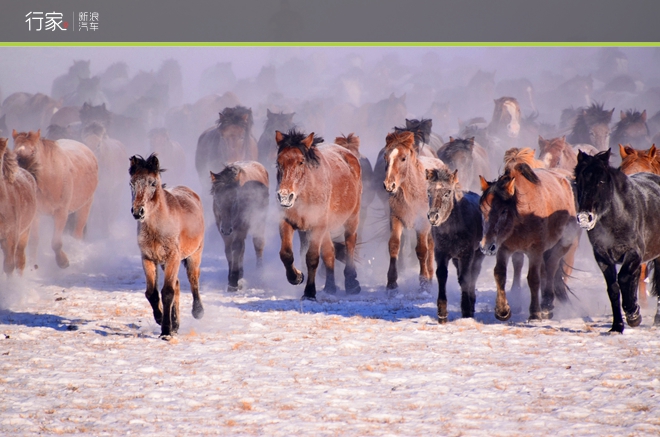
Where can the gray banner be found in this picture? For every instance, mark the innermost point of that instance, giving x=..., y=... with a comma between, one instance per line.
x=330, y=21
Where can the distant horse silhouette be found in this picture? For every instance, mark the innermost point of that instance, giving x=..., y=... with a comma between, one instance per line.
x=170, y=154
x=405, y=181
x=319, y=189
x=170, y=230
x=230, y=141
x=592, y=126
x=468, y=157
x=240, y=206
x=530, y=211
x=631, y=129
x=621, y=215
x=267, y=147
x=557, y=153
x=457, y=231
x=67, y=178
x=18, y=208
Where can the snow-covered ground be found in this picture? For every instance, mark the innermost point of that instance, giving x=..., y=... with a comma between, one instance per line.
x=80, y=354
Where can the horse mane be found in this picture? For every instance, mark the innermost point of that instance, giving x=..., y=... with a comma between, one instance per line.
x=439, y=175
x=446, y=152
x=420, y=128
x=150, y=164
x=594, y=114
x=238, y=115
x=350, y=142
x=294, y=139
x=9, y=163
x=527, y=172
x=632, y=116
x=228, y=176
x=403, y=137
x=515, y=156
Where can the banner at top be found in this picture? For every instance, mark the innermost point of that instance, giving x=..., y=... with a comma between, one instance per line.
x=330, y=21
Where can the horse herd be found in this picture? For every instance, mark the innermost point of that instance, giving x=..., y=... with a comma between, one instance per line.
x=535, y=207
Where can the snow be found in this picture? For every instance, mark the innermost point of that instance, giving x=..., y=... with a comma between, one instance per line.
x=80, y=354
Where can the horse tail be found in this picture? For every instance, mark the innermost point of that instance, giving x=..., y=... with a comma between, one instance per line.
x=561, y=288
x=350, y=142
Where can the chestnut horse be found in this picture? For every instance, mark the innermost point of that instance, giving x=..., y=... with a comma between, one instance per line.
x=170, y=230
x=230, y=141
x=319, y=188
x=405, y=181
x=18, y=208
x=67, y=178
x=240, y=206
x=557, y=153
x=637, y=161
x=529, y=211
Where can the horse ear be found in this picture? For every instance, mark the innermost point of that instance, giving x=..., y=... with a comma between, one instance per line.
x=451, y=139
x=309, y=140
x=652, y=151
x=510, y=187
x=246, y=117
x=152, y=161
x=38, y=134
x=454, y=177
x=541, y=140
x=605, y=156
x=622, y=151
x=408, y=124
x=581, y=156
x=563, y=138
x=429, y=174
x=484, y=183
x=214, y=177
x=14, y=134
x=471, y=141
x=644, y=116
x=278, y=137
x=622, y=115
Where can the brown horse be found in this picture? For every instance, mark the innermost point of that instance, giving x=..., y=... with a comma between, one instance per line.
x=515, y=156
x=67, y=179
x=637, y=161
x=18, y=207
x=592, y=126
x=468, y=157
x=532, y=212
x=230, y=141
x=405, y=181
x=319, y=188
x=170, y=230
x=557, y=153
x=240, y=206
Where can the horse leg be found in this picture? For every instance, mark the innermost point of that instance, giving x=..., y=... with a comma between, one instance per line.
x=466, y=282
x=396, y=228
x=59, y=217
x=552, y=269
x=328, y=255
x=628, y=279
x=475, y=270
x=502, y=309
x=430, y=244
x=517, y=259
x=20, y=250
x=304, y=243
x=422, y=251
x=534, y=282
x=258, y=241
x=232, y=283
x=151, y=274
x=33, y=243
x=81, y=219
x=643, y=274
x=293, y=275
x=655, y=290
x=441, y=273
x=312, y=261
x=192, y=264
x=237, y=252
x=613, y=291
x=170, y=297
x=351, y=283
x=9, y=250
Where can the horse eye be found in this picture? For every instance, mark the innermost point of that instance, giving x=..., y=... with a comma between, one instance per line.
x=301, y=163
x=403, y=159
x=153, y=184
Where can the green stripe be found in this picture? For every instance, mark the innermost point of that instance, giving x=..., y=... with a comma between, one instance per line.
x=329, y=44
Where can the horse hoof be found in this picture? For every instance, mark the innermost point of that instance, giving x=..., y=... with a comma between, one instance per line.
x=166, y=337
x=634, y=319
x=468, y=315
x=198, y=310
x=354, y=290
x=330, y=290
x=232, y=289
x=392, y=285
x=547, y=314
x=442, y=320
x=310, y=298
x=503, y=316
x=617, y=328
x=62, y=261
x=535, y=317
x=297, y=280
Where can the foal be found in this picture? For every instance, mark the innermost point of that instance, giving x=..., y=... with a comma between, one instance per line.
x=170, y=230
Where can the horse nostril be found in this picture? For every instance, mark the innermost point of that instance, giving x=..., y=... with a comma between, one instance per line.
x=141, y=211
x=590, y=217
x=290, y=199
x=132, y=210
x=492, y=248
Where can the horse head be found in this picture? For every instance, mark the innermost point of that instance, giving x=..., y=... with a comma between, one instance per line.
x=235, y=127
x=444, y=191
x=499, y=209
x=225, y=198
x=296, y=154
x=399, y=155
x=145, y=184
x=594, y=180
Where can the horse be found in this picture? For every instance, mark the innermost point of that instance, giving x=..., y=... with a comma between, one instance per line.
x=29, y=111
x=636, y=161
x=457, y=231
x=631, y=129
x=467, y=156
x=319, y=189
x=529, y=211
x=67, y=83
x=405, y=181
x=18, y=208
x=67, y=179
x=557, y=153
x=170, y=230
x=621, y=215
x=170, y=153
x=240, y=206
x=592, y=126
x=229, y=141
x=507, y=128
x=130, y=131
x=274, y=122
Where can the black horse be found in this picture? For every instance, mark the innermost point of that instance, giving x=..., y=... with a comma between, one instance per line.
x=457, y=231
x=621, y=215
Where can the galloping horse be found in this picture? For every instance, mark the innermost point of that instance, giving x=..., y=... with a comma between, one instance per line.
x=170, y=230
x=557, y=153
x=18, y=208
x=592, y=126
x=621, y=215
x=319, y=188
x=240, y=205
x=405, y=181
x=457, y=232
x=230, y=141
x=529, y=211
x=67, y=178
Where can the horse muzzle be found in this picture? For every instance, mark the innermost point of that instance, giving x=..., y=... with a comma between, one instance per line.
x=390, y=187
x=286, y=199
x=138, y=214
x=489, y=249
x=587, y=220
x=434, y=218
x=226, y=232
